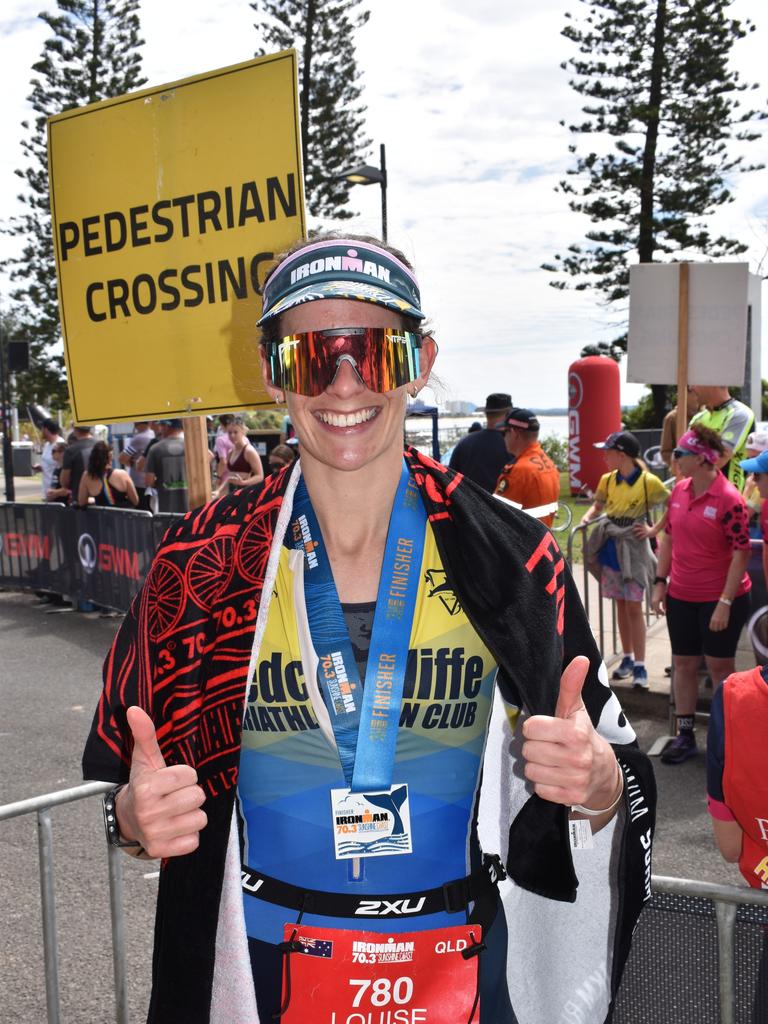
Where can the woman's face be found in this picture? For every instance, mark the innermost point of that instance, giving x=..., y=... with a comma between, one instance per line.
x=612, y=459
x=235, y=433
x=348, y=426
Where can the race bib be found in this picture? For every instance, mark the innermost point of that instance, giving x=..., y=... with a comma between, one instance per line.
x=371, y=824
x=349, y=977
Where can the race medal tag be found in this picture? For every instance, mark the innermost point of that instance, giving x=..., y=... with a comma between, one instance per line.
x=349, y=977
x=374, y=824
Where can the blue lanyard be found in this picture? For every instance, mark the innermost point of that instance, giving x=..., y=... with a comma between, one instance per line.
x=365, y=719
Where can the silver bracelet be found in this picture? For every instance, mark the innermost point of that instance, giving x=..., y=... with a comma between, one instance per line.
x=594, y=814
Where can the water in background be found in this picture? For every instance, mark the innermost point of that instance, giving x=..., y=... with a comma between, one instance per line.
x=452, y=428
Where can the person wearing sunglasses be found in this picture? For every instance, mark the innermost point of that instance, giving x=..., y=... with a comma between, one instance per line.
x=702, y=585
x=315, y=659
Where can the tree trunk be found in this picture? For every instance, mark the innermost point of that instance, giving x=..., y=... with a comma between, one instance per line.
x=306, y=82
x=646, y=243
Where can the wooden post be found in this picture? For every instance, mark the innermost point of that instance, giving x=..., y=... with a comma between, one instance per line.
x=197, y=460
x=682, y=352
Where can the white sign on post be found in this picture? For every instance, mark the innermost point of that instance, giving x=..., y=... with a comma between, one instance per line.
x=717, y=323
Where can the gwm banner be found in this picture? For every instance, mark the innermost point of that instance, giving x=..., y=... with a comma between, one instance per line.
x=168, y=207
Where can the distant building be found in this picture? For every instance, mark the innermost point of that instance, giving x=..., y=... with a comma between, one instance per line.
x=460, y=408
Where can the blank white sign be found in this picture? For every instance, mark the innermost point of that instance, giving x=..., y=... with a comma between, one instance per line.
x=717, y=323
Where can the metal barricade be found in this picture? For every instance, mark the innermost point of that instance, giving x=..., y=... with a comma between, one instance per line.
x=609, y=656
x=41, y=806
x=647, y=966
x=581, y=530
x=671, y=975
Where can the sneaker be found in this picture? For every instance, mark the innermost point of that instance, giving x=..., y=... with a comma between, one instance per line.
x=680, y=749
x=640, y=677
x=624, y=671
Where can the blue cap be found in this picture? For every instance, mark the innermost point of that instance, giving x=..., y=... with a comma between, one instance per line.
x=757, y=465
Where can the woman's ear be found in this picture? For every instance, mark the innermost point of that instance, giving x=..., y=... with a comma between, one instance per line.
x=427, y=356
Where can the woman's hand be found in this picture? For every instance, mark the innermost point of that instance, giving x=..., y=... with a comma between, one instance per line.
x=659, y=598
x=721, y=616
x=642, y=530
x=161, y=805
x=567, y=761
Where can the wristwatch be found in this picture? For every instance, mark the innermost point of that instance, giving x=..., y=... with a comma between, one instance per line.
x=110, y=821
x=660, y=579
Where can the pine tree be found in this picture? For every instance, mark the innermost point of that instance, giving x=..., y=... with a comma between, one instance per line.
x=322, y=32
x=92, y=54
x=660, y=93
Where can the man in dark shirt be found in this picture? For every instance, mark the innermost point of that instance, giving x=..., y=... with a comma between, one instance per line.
x=166, y=470
x=76, y=459
x=481, y=455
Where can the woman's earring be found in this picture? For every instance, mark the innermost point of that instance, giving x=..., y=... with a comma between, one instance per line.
x=414, y=390
x=280, y=398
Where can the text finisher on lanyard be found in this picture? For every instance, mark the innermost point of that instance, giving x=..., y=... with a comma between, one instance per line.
x=365, y=723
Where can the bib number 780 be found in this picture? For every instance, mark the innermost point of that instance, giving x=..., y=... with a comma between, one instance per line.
x=383, y=991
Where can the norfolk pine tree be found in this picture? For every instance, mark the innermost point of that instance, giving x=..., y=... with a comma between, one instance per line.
x=332, y=138
x=655, y=77
x=92, y=54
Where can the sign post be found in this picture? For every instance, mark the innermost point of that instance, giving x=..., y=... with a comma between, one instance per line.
x=169, y=206
x=682, y=351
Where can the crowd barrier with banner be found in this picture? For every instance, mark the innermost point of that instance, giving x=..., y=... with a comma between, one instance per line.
x=95, y=554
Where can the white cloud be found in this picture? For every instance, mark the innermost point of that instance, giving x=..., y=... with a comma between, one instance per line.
x=467, y=99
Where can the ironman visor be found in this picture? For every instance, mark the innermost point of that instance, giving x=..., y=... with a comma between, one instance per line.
x=384, y=358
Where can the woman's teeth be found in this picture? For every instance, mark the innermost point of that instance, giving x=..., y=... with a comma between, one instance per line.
x=351, y=419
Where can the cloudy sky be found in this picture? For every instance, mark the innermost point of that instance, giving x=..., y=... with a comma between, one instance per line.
x=468, y=99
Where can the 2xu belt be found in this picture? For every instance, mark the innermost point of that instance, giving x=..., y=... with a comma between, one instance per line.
x=451, y=898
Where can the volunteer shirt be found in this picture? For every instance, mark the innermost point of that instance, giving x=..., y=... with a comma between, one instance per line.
x=630, y=497
x=734, y=422
x=531, y=480
x=705, y=532
x=736, y=786
x=288, y=767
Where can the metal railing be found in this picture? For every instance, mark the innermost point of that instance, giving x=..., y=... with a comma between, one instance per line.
x=580, y=531
x=726, y=899
x=41, y=806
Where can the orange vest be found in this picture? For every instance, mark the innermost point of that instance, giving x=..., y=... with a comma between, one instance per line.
x=745, y=778
x=532, y=480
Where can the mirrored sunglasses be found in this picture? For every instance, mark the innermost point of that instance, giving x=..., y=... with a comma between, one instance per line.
x=678, y=453
x=384, y=358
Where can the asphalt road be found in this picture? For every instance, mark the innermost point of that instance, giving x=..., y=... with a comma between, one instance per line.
x=50, y=669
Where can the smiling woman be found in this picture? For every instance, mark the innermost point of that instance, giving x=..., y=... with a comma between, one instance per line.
x=333, y=684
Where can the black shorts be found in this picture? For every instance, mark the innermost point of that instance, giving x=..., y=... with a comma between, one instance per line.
x=689, y=632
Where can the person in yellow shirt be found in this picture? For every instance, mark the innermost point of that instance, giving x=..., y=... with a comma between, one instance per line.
x=532, y=480
x=626, y=494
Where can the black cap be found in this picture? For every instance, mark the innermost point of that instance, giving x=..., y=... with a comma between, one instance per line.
x=621, y=441
x=497, y=402
x=523, y=419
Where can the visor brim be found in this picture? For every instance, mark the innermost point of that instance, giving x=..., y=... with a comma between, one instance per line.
x=355, y=290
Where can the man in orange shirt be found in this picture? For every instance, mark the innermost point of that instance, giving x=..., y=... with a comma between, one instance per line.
x=531, y=479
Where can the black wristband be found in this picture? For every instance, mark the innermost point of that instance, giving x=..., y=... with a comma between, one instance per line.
x=660, y=579
x=110, y=822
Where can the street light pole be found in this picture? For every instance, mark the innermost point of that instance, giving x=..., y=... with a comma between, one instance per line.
x=366, y=174
x=383, y=167
x=5, y=420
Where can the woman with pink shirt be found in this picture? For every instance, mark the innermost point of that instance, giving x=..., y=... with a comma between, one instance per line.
x=706, y=599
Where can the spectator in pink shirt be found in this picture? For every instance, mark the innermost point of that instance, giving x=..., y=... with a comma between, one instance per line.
x=706, y=599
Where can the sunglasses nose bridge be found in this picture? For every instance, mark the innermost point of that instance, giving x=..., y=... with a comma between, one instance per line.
x=350, y=360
